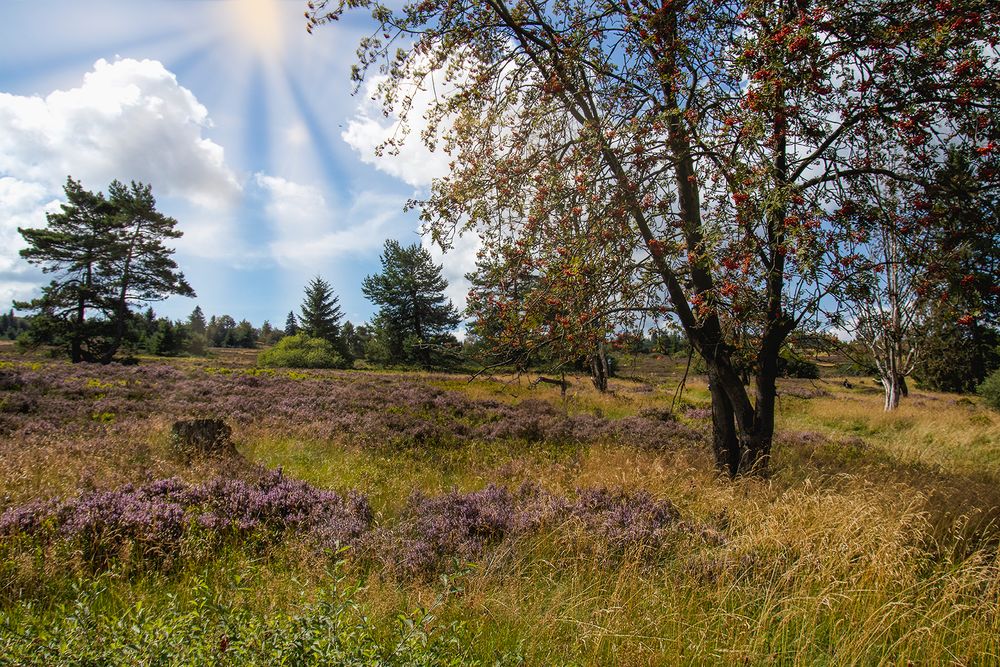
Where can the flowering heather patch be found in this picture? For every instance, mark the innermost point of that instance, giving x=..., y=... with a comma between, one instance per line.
x=434, y=530
x=371, y=410
x=153, y=519
x=698, y=413
x=156, y=516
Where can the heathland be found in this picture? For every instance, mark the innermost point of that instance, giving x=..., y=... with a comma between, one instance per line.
x=389, y=517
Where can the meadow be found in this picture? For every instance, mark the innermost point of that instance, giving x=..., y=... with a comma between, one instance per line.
x=378, y=517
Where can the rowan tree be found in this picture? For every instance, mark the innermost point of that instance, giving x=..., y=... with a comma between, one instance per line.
x=713, y=136
x=877, y=299
x=919, y=253
x=554, y=300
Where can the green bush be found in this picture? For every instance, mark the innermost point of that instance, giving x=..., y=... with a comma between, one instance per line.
x=955, y=357
x=792, y=366
x=990, y=390
x=302, y=351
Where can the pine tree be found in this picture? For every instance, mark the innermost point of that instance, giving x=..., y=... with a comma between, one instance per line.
x=108, y=254
x=320, y=317
x=291, y=324
x=414, y=313
x=142, y=265
x=75, y=246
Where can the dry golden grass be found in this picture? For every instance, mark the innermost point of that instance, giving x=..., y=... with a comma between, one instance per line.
x=953, y=433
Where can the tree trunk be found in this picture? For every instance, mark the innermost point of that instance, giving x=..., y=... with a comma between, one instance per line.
x=741, y=439
x=725, y=444
x=76, y=343
x=599, y=371
x=893, y=391
x=757, y=443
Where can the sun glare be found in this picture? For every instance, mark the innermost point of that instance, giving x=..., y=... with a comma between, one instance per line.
x=258, y=24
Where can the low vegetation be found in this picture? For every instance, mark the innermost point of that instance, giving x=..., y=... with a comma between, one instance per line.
x=415, y=518
x=990, y=390
x=302, y=351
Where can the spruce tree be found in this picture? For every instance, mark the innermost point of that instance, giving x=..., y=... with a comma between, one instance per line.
x=291, y=324
x=197, y=321
x=320, y=316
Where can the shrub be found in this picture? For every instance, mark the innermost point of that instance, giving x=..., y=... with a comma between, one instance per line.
x=792, y=366
x=990, y=390
x=207, y=628
x=955, y=357
x=436, y=530
x=302, y=351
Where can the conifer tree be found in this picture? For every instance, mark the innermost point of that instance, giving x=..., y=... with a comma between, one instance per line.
x=291, y=324
x=108, y=254
x=320, y=312
x=197, y=321
x=141, y=265
x=74, y=246
x=414, y=313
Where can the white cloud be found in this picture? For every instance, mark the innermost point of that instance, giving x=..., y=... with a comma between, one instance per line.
x=16, y=290
x=414, y=163
x=22, y=204
x=458, y=261
x=130, y=120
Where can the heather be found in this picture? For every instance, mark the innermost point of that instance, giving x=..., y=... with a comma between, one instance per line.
x=152, y=519
x=435, y=530
x=418, y=518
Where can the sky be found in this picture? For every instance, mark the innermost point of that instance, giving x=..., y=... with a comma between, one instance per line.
x=244, y=125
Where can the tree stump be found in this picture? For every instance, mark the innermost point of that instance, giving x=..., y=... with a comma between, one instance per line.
x=203, y=437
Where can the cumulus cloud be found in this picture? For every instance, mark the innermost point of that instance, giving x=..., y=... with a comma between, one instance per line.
x=457, y=262
x=414, y=163
x=130, y=119
x=21, y=205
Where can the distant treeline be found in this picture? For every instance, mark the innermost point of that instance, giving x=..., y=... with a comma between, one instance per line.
x=12, y=326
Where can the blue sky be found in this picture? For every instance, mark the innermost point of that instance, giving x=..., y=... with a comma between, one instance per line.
x=244, y=125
